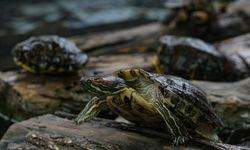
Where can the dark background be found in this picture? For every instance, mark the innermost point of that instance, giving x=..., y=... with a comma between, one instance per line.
x=21, y=19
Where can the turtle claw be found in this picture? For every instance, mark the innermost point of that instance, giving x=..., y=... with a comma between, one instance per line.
x=77, y=120
x=180, y=140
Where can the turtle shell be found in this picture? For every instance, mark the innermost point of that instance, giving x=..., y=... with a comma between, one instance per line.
x=188, y=102
x=49, y=54
x=192, y=58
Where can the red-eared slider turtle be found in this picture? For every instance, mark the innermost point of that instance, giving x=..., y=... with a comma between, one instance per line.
x=153, y=100
x=49, y=54
x=193, y=58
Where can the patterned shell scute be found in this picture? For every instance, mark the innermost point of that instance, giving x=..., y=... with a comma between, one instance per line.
x=184, y=90
x=173, y=41
x=49, y=54
x=193, y=58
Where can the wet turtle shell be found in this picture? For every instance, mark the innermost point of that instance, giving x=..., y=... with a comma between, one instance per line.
x=185, y=98
x=192, y=58
x=49, y=55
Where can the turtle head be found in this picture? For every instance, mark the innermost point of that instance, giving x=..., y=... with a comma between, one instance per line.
x=103, y=85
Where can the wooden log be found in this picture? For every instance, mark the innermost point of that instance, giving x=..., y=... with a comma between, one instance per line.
x=136, y=39
x=237, y=49
x=231, y=100
x=232, y=103
x=51, y=132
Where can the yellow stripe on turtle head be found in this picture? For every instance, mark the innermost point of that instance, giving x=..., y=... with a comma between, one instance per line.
x=26, y=67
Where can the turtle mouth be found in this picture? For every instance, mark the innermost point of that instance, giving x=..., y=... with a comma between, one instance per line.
x=88, y=87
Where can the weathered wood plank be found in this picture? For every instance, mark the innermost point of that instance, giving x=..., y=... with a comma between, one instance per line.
x=238, y=50
x=232, y=103
x=111, y=39
x=51, y=132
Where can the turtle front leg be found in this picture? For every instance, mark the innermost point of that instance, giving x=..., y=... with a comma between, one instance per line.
x=92, y=109
x=174, y=125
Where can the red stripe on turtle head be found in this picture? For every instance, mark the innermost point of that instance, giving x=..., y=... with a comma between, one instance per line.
x=102, y=80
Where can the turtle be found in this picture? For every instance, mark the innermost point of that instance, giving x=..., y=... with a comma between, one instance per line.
x=49, y=54
x=153, y=100
x=193, y=59
x=196, y=18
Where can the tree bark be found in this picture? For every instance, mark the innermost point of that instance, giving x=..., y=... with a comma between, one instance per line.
x=51, y=132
